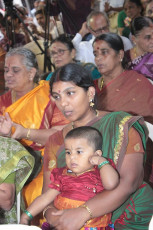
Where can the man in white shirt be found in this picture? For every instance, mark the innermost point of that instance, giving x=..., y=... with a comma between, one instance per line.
x=97, y=23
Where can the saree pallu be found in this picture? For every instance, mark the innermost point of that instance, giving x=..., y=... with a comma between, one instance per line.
x=114, y=128
x=132, y=93
x=14, y=158
x=35, y=110
x=142, y=64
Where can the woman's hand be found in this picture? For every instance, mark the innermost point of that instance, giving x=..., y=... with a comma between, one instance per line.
x=71, y=218
x=5, y=125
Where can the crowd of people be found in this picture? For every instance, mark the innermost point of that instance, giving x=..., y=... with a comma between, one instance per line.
x=73, y=136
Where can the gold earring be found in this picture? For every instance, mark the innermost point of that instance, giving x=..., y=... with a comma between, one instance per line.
x=91, y=103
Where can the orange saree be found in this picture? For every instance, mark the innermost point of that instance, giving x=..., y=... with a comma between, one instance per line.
x=34, y=110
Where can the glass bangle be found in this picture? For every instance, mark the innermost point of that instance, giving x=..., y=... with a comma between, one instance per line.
x=28, y=214
x=102, y=164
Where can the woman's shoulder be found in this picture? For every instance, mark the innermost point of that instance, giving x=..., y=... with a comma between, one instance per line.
x=116, y=114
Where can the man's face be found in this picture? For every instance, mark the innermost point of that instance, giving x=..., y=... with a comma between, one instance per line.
x=98, y=25
x=40, y=19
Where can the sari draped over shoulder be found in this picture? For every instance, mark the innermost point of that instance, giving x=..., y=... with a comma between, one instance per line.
x=130, y=92
x=14, y=158
x=133, y=93
x=142, y=64
x=35, y=110
x=114, y=128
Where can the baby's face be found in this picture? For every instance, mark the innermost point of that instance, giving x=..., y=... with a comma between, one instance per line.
x=78, y=151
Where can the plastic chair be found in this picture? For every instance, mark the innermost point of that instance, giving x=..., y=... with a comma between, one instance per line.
x=150, y=128
x=17, y=227
x=151, y=224
x=18, y=200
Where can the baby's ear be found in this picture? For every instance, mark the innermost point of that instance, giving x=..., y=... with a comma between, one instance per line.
x=98, y=153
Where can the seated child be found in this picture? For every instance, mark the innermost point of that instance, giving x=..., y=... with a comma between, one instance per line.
x=86, y=174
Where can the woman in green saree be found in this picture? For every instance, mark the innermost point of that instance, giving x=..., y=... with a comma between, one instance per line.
x=16, y=165
x=124, y=138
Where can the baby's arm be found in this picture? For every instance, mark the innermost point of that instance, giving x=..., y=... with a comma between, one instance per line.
x=109, y=176
x=38, y=205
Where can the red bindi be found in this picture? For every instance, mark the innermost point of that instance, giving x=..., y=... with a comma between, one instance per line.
x=59, y=91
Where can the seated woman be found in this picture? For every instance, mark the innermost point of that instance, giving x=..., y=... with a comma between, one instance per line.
x=124, y=142
x=16, y=165
x=120, y=89
x=28, y=105
x=132, y=9
x=140, y=57
x=62, y=52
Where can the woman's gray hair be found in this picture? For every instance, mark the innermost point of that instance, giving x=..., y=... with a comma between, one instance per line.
x=28, y=59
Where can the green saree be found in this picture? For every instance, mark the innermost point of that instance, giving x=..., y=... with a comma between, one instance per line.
x=14, y=159
x=137, y=211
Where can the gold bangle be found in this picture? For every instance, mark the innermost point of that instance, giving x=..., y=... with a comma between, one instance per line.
x=88, y=209
x=46, y=210
x=28, y=134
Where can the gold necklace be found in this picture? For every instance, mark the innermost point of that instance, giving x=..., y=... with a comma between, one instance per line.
x=135, y=52
x=13, y=94
x=101, y=84
x=97, y=114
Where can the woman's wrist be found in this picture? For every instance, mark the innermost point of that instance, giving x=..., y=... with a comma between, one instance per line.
x=46, y=209
x=88, y=209
x=28, y=134
x=86, y=212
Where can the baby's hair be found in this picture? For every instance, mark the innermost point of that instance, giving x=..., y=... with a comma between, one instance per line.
x=92, y=135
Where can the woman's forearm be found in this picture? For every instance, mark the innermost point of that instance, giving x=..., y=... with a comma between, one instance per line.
x=108, y=201
x=7, y=195
x=39, y=136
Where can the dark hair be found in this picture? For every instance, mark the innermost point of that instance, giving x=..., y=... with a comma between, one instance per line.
x=64, y=40
x=139, y=24
x=137, y=2
x=92, y=135
x=115, y=42
x=41, y=11
x=74, y=73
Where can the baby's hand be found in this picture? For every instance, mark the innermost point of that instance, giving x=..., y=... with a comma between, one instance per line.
x=96, y=160
x=24, y=219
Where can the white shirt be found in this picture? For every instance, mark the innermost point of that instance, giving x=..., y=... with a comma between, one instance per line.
x=113, y=3
x=84, y=49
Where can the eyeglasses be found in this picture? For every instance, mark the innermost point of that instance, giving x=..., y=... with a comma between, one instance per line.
x=105, y=28
x=59, y=52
